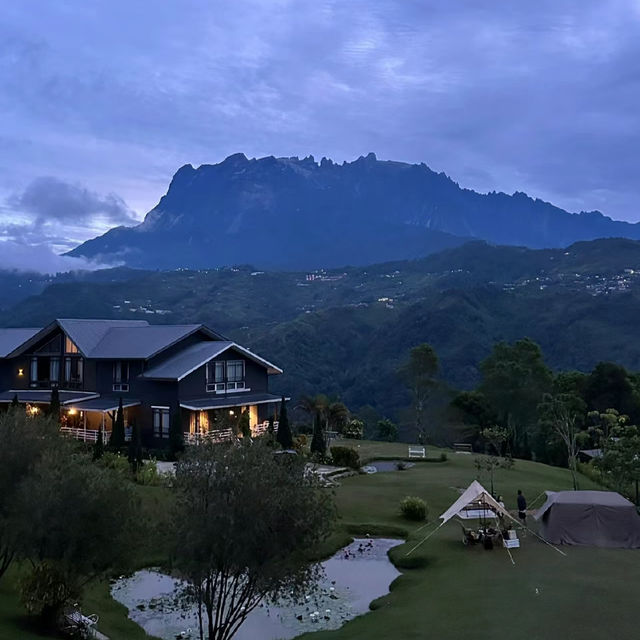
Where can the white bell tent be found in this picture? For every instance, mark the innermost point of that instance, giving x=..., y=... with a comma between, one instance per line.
x=475, y=503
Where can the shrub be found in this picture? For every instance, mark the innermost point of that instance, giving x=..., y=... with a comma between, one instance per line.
x=413, y=508
x=354, y=429
x=345, y=457
x=443, y=457
x=300, y=443
x=386, y=430
x=148, y=474
x=116, y=462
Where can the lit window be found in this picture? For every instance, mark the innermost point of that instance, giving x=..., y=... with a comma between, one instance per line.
x=69, y=345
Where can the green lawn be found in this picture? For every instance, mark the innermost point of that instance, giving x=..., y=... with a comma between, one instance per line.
x=467, y=592
x=459, y=592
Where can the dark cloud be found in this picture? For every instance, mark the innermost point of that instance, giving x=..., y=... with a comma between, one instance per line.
x=536, y=96
x=48, y=199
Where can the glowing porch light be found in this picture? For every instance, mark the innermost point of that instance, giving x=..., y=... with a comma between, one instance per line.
x=72, y=412
x=20, y=372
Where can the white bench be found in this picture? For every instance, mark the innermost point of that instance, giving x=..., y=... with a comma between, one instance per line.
x=417, y=452
x=462, y=447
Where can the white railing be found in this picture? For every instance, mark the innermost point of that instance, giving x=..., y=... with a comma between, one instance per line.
x=263, y=427
x=215, y=435
x=86, y=435
x=222, y=435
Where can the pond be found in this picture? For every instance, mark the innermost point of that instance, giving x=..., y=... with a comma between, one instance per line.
x=386, y=465
x=356, y=575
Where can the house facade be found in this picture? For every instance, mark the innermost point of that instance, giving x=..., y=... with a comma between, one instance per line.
x=162, y=373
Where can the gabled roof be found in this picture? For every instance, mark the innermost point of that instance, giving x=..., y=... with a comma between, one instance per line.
x=87, y=334
x=11, y=339
x=115, y=339
x=193, y=357
x=141, y=342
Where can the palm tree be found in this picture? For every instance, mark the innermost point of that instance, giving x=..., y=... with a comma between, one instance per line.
x=337, y=416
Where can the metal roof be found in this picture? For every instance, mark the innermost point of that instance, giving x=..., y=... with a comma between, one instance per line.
x=228, y=401
x=87, y=334
x=113, y=339
x=187, y=360
x=11, y=339
x=140, y=342
x=193, y=357
x=44, y=396
x=102, y=404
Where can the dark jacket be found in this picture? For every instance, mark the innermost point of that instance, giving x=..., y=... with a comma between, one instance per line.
x=522, y=503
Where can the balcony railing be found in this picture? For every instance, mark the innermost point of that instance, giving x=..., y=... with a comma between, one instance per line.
x=222, y=435
x=86, y=435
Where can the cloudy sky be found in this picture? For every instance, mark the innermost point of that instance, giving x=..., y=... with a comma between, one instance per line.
x=102, y=100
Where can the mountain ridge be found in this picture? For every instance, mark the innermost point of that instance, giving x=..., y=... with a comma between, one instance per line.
x=297, y=213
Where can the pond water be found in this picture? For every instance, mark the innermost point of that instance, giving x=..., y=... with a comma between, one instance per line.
x=386, y=465
x=356, y=575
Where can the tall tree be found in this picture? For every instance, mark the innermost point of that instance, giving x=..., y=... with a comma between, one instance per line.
x=420, y=375
x=284, y=436
x=98, y=447
x=176, y=435
x=620, y=462
x=318, y=442
x=242, y=520
x=54, y=406
x=116, y=442
x=337, y=416
x=514, y=378
x=610, y=386
x=81, y=524
x=564, y=415
x=24, y=441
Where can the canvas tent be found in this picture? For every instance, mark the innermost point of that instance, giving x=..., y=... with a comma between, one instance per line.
x=475, y=503
x=590, y=518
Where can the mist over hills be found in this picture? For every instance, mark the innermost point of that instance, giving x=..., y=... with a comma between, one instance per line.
x=291, y=213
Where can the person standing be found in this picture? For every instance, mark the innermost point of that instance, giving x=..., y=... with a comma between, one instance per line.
x=522, y=508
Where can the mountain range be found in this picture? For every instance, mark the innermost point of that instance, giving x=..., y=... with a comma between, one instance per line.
x=291, y=213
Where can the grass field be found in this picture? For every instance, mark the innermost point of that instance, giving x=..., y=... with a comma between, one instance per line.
x=467, y=592
x=458, y=592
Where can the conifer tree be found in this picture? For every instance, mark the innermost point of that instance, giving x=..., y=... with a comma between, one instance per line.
x=284, y=431
x=98, y=447
x=14, y=402
x=176, y=437
x=116, y=441
x=318, y=445
x=54, y=407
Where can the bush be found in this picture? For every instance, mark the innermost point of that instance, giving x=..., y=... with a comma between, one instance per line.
x=413, y=508
x=345, y=457
x=300, y=443
x=443, y=457
x=354, y=429
x=116, y=462
x=386, y=430
x=148, y=474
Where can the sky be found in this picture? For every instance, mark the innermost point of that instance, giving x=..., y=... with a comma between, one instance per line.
x=103, y=100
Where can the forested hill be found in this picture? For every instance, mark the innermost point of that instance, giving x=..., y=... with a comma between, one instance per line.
x=291, y=213
x=346, y=331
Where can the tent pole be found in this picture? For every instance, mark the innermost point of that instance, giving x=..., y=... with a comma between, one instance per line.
x=424, y=540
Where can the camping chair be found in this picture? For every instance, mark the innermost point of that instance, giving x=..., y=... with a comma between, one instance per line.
x=469, y=536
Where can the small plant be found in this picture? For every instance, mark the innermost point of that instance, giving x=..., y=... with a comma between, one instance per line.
x=115, y=461
x=401, y=465
x=148, y=474
x=354, y=429
x=300, y=443
x=345, y=457
x=443, y=457
x=413, y=508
